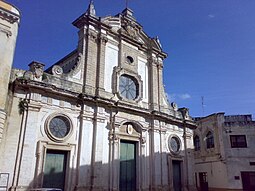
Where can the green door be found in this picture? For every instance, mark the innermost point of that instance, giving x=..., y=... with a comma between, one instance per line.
x=127, y=166
x=54, y=169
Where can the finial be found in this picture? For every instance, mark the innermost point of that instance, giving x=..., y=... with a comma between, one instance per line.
x=91, y=9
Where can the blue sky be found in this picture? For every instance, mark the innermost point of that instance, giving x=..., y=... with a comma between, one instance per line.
x=210, y=45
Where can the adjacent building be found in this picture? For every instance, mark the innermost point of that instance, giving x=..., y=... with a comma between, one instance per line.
x=224, y=152
x=98, y=119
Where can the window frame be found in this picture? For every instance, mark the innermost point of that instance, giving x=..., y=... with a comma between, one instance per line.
x=210, y=140
x=48, y=129
x=127, y=80
x=197, y=143
x=234, y=141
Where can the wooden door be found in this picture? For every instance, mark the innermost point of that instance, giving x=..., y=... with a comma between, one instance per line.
x=127, y=181
x=177, y=182
x=248, y=179
x=203, y=181
x=55, y=169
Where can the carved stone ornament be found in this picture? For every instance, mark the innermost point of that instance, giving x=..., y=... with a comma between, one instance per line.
x=37, y=69
x=130, y=129
x=143, y=140
x=131, y=29
x=28, y=75
x=57, y=70
x=175, y=106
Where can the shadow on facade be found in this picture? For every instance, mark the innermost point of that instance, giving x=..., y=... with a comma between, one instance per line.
x=161, y=171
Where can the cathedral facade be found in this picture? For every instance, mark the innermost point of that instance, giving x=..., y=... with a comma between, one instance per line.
x=98, y=119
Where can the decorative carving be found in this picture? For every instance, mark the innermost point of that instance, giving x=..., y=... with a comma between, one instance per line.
x=103, y=39
x=37, y=69
x=175, y=106
x=79, y=59
x=143, y=140
x=130, y=129
x=160, y=64
x=23, y=105
x=130, y=29
x=28, y=75
x=57, y=70
x=113, y=137
x=185, y=112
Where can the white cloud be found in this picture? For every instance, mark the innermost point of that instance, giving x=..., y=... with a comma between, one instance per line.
x=184, y=96
x=174, y=97
x=211, y=16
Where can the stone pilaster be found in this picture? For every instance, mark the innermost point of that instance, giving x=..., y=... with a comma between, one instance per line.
x=153, y=84
x=102, y=40
x=90, y=62
x=160, y=83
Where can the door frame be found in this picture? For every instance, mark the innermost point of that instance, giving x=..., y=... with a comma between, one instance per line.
x=136, y=160
x=170, y=171
x=66, y=156
x=41, y=151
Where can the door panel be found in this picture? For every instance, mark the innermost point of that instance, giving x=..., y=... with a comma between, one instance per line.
x=54, y=169
x=203, y=181
x=248, y=179
x=177, y=175
x=127, y=166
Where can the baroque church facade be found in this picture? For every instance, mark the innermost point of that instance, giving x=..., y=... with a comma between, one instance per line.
x=98, y=119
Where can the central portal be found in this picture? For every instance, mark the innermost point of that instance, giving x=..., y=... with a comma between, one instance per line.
x=177, y=175
x=127, y=166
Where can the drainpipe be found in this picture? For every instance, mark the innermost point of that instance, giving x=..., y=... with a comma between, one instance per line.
x=21, y=140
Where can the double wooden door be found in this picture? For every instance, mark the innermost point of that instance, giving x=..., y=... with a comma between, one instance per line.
x=177, y=181
x=127, y=180
x=55, y=169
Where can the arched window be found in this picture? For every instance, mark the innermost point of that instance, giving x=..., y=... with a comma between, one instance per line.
x=209, y=140
x=197, y=143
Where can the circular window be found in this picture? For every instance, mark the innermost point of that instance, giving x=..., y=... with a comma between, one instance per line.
x=128, y=87
x=174, y=144
x=59, y=127
x=129, y=59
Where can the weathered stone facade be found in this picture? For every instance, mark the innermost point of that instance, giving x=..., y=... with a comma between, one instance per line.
x=9, y=21
x=229, y=162
x=102, y=111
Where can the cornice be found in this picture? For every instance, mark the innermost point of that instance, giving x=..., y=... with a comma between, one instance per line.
x=118, y=106
x=9, y=16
